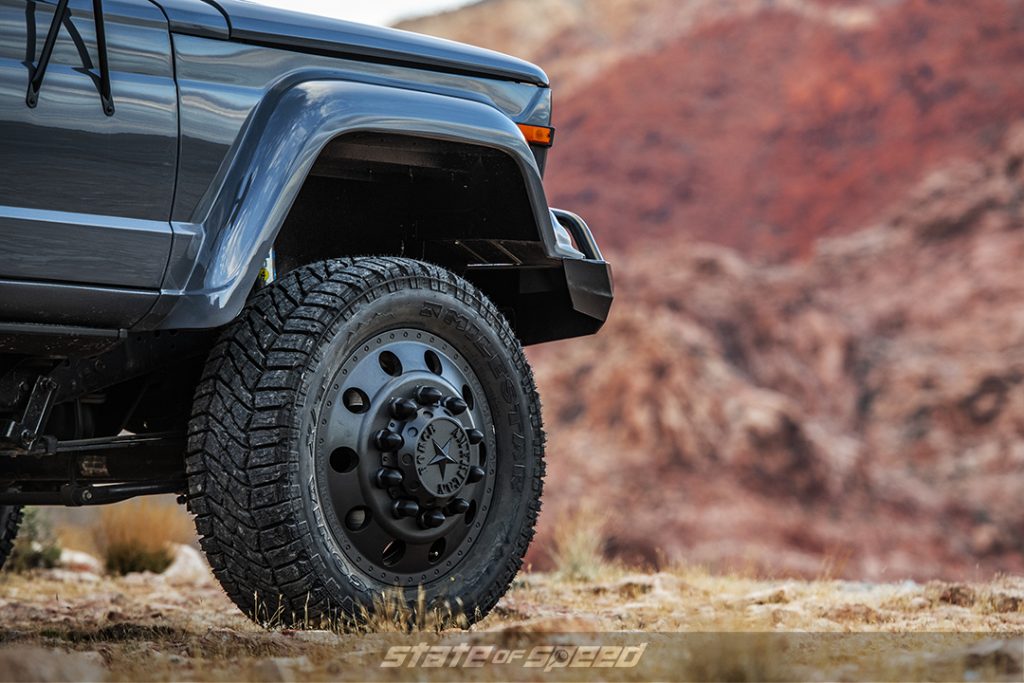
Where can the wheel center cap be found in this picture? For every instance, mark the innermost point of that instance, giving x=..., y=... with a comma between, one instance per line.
x=443, y=457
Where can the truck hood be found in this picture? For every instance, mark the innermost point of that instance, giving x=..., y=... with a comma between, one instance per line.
x=254, y=23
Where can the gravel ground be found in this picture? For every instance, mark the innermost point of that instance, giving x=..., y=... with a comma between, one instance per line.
x=68, y=625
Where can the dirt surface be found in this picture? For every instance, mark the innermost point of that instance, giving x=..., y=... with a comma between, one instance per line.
x=63, y=625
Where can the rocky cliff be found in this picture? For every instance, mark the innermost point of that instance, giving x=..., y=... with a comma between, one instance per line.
x=861, y=411
x=757, y=124
x=816, y=363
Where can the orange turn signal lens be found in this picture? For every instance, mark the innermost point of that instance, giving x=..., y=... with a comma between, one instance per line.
x=538, y=135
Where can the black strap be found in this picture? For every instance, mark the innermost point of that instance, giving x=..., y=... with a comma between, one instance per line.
x=60, y=15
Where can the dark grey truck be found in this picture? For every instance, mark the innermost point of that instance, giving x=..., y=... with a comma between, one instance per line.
x=284, y=267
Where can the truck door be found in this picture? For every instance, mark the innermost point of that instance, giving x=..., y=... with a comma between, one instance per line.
x=87, y=169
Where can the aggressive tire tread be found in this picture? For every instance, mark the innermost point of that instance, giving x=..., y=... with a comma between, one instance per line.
x=241, y=459
x=10, y=521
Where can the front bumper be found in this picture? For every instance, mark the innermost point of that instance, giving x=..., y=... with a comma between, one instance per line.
x=557, y=297
x=589, y=280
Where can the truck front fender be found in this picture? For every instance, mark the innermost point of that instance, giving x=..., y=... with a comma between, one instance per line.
x=216, y=261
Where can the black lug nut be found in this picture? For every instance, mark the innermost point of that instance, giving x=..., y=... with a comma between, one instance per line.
x=459, y=506
x=431, y=519
x=405, y=508
x=455, y=405
x=403, y=409
x=387, y=441
x=428, y=396
x=387, y=478
x=476, y=473
x=475, y=436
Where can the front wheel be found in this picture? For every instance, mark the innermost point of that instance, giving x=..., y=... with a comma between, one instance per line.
x=367, y=426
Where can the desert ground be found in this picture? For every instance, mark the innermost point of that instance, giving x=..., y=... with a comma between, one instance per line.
x=815, y=367
x=74, y=624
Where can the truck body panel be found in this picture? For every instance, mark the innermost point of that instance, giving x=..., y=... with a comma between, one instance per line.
x=270, y=26
x=283, y=138
x=80, y=190
x=158, y=211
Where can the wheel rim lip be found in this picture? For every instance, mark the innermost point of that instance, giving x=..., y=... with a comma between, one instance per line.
x=459, y=536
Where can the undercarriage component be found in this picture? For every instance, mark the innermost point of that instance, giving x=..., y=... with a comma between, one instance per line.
x=51, y=446
x=25, y=433
x=94, y=471
x=80, y=495
x=48, y=454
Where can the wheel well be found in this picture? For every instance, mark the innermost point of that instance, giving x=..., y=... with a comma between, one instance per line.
x=449, y=203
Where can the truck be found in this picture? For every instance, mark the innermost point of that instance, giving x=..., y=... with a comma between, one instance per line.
x=283, y=267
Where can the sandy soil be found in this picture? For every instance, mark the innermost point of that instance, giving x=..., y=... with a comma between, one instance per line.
x=61, y=625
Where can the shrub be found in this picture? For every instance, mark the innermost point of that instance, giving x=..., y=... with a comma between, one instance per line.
x=578, y=544
x=139, y=536
x=36, y=546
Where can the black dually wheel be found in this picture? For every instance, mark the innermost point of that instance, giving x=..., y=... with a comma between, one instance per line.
x=368, y=426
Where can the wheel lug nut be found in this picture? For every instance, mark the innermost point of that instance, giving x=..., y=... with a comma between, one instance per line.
x=431, y=519
x=387, y=478
x=455, y=405
x=475, y=436
x=387, y=441
x=428, y=396
x=476, y=473
x=403, y=409
x=459, y=506
x=405, y=508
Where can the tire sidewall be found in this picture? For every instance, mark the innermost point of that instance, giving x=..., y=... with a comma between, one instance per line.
x=10, y=520
x=486, y=342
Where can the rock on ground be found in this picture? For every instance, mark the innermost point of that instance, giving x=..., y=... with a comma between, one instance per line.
x=75, y=560
x=189, y=567
x=29, y=663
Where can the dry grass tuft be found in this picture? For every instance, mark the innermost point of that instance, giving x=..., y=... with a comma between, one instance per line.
x=138, y=536
x=392, y=614
x=578, y=546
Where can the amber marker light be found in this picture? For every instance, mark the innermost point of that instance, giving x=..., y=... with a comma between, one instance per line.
x=538, y=135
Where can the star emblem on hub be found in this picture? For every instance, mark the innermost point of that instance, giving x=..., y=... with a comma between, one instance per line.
x=443, y=457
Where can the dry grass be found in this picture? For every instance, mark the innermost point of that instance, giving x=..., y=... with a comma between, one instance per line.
x=577, y=551
x=138, y=536
x=391, y=614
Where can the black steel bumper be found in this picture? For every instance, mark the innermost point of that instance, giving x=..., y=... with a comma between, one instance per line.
x=589, y=280
x=560, y=299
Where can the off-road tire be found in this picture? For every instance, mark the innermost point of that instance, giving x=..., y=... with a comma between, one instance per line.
x=252, y=442
x=10, y=520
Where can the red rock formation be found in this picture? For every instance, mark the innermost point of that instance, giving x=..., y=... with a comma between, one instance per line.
x=766, y=131
x=858, y=410
x=863, y=411
x=758, y=125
